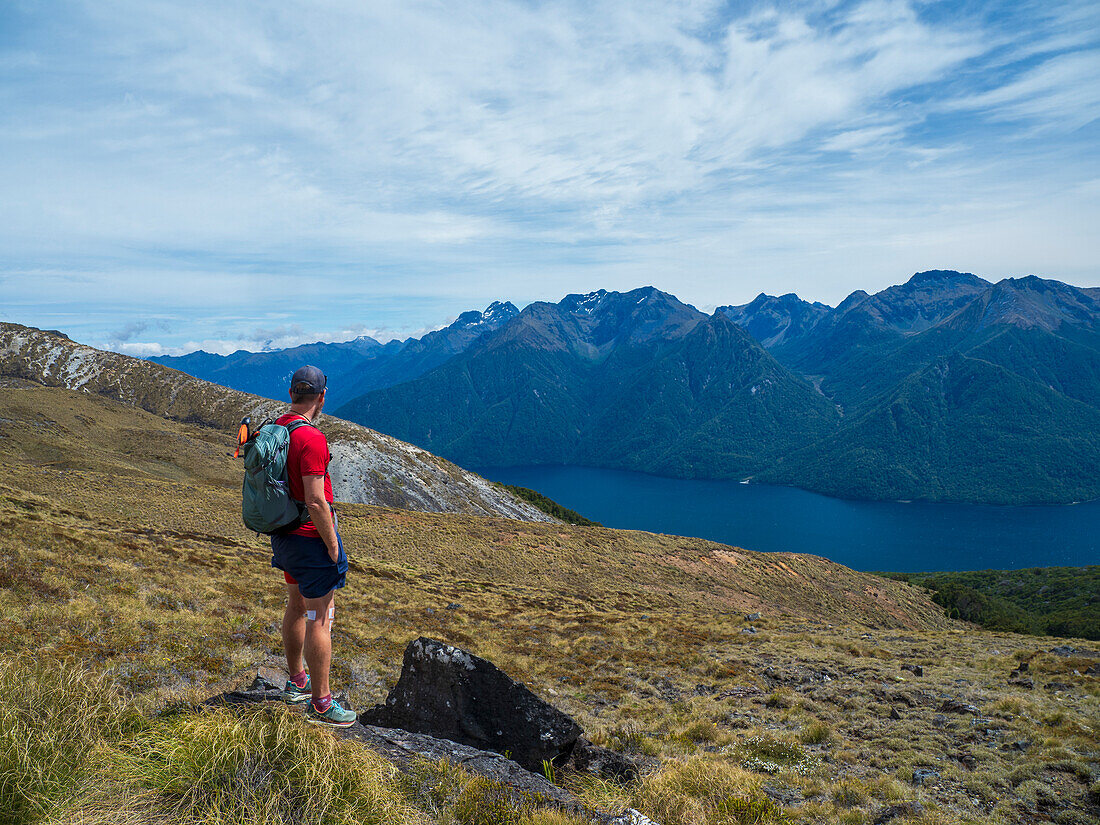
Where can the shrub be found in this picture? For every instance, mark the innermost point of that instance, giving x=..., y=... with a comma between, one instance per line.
x=701, y=791
x=816, y=733
x=847, y=793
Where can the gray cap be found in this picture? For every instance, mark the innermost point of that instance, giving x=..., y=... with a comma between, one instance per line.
x=307, y=380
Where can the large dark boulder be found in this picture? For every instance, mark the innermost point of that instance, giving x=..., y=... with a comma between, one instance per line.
x=449, y=693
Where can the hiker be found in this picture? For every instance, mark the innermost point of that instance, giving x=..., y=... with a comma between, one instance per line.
x=311, y=556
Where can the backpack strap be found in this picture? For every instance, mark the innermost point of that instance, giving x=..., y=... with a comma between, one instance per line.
x=303, y=512
x=293, y=425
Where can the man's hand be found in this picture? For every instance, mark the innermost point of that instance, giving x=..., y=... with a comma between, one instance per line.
x=321, y=515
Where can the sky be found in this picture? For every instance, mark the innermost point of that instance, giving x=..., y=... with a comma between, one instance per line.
x=225, y=175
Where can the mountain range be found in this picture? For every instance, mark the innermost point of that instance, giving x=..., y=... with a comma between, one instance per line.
x=945, y=387
x=353, y=367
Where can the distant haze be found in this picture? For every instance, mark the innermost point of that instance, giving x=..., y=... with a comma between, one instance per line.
x=239, y=175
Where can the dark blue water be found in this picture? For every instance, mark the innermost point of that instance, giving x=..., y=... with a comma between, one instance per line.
x=865, y=535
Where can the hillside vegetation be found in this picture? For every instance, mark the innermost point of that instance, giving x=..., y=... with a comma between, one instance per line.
x=549, y=506
x=134, y=568
x=1045, y=601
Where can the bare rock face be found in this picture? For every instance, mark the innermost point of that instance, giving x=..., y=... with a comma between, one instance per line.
x=451, y=694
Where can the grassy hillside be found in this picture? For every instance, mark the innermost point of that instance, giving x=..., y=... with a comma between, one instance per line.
x=139, y=573
x=1046, y=601
x=367, y=466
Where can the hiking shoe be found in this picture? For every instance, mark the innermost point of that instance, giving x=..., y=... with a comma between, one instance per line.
x=335, y=716
x=292, y=694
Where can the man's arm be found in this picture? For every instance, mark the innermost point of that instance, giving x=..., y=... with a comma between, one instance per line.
x=320, y=513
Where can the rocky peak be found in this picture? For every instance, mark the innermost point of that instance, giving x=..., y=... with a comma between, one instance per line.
x=583, y=304
x=494, y=316
x=945, y=277
x=775, y=320
x=853, y=300
x=1037, y=302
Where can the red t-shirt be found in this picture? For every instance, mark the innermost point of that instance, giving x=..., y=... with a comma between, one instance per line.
x=308, y=456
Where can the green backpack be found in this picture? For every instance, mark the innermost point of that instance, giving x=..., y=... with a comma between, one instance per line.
x=266, y=505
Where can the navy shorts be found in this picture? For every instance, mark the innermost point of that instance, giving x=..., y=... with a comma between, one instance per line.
x=306, y=560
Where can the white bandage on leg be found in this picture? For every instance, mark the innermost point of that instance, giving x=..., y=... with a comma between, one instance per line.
x=311, y=615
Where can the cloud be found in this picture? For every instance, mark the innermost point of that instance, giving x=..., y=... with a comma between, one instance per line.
x=1060, y=94
x=401, y=161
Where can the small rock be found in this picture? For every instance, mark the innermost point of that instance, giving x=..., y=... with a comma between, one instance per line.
x=916, y=670
x=603, y=762
x=631, y=817
x=276, y=678
x=784, y=796
x=1056, y=686
x=939, y=721
x=1024, y=667
x=1094, y=670
x=894, y=714
x=1023, y=681
x=922, y=775
x=894, y=811
x=957, y=706
x=749, y=629
x=1019, y=745
x=1066, y=650
x=453, y=606
x=752, y=617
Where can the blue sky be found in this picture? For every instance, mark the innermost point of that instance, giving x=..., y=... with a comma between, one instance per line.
x=223, y=175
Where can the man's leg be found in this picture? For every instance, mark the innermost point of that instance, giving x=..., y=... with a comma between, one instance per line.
x=318, y=641
x=294, y=629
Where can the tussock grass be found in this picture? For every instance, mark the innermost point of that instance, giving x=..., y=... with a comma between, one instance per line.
x=72, y=750
x=51, y=720
x=694, y=790
x=259, y=765
x=816, y=733
x=707, y=792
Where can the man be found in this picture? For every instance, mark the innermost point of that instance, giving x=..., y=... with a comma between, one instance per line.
x=311, y=556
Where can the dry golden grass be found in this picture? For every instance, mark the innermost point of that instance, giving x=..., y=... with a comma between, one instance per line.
x=135, y=564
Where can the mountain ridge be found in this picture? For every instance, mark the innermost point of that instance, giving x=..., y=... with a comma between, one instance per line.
x=353, y=367
x=551, y=386
x=604, y=379
x=367, y=466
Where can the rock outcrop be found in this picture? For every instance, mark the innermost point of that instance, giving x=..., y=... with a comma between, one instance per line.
x=406, y=748
x=367, y=467
x=449, y=693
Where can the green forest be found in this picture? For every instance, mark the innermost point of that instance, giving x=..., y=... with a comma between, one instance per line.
x=1043, y=601
x=548, y=506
